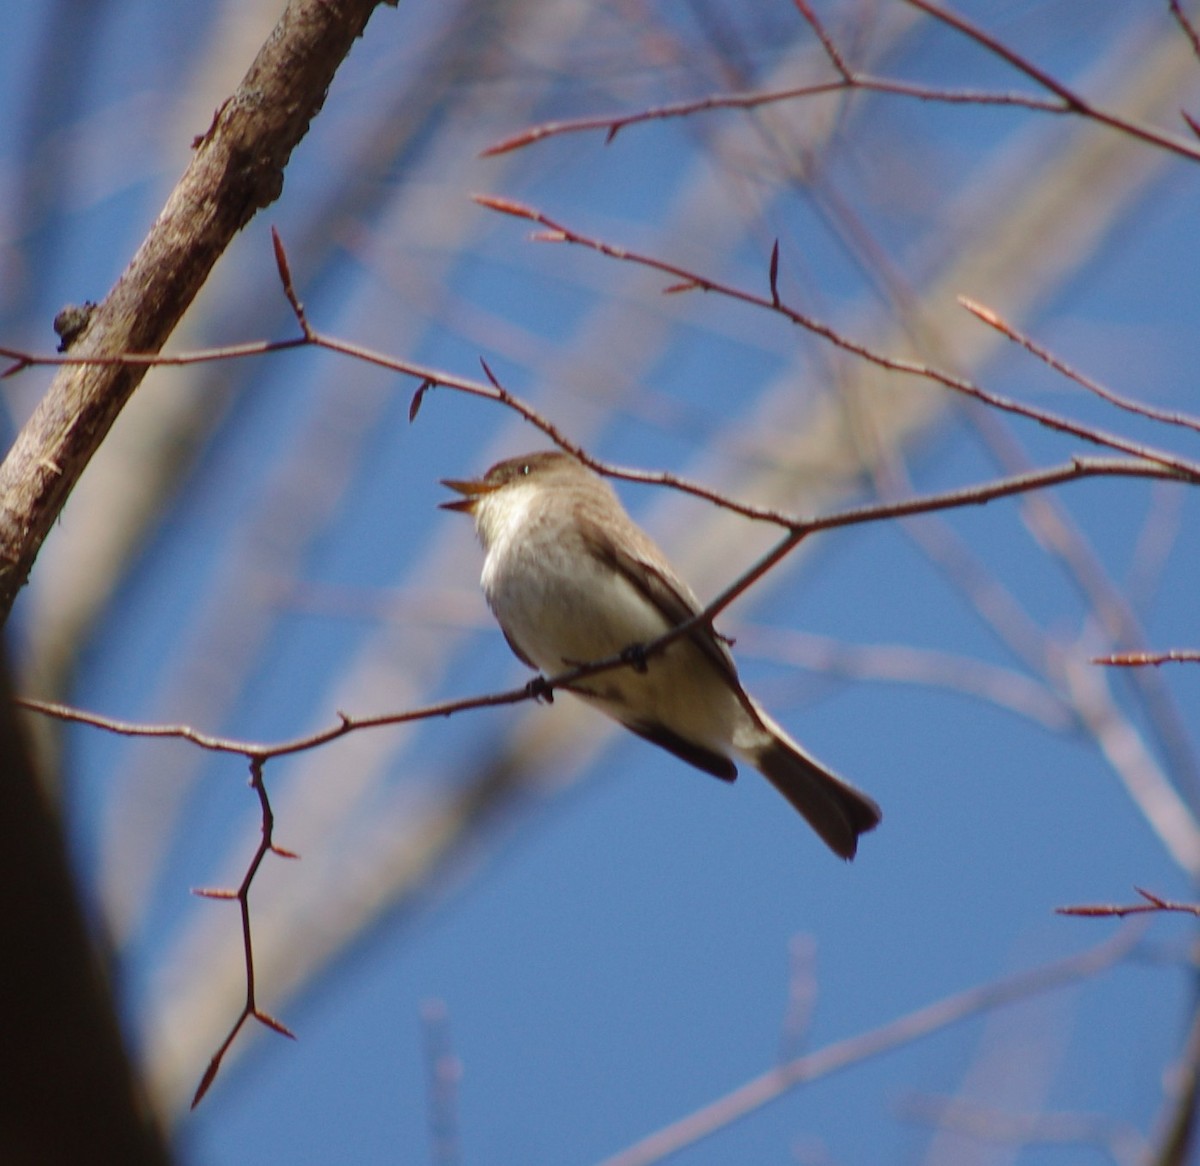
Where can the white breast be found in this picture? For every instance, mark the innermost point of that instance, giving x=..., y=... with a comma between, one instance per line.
x=550, y=594
x=562, y=606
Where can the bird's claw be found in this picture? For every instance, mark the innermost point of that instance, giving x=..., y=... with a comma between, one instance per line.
x=539, y=689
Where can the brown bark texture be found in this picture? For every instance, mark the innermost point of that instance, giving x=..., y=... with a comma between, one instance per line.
x=236, y=169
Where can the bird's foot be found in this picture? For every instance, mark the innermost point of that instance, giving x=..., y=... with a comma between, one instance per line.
x=539, y=689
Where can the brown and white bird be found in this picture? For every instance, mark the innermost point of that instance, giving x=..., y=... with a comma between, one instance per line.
x=571, y=579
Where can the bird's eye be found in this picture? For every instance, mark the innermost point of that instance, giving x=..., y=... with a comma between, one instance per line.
x=525, y=470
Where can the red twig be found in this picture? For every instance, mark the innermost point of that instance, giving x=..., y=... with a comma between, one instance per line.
x=1185, y=23
x=556, y=232
x=1153, y=904
x=250, y=1009
x=1074, y=101
x=827, y=42
x=430, y=378
x=1140, y=659
x=1063, y=100
x=612, y=124
x=995, y=320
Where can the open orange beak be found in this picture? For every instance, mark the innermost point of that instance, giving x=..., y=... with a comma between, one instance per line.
x=470, y=489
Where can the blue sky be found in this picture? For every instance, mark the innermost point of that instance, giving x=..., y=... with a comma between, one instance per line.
x=615, y=943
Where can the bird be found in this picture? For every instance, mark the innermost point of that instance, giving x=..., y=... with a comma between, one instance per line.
x=572, y=579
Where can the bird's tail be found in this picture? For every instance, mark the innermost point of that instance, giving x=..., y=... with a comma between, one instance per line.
x=837, y=811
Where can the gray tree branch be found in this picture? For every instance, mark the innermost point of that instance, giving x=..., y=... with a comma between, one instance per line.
x=237, y=169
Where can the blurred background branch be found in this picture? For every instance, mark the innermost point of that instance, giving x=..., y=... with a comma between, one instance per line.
x=253, y=549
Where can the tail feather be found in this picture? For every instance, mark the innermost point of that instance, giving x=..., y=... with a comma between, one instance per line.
x=837, y=811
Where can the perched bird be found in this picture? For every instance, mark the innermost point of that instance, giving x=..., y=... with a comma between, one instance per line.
x=571, y=579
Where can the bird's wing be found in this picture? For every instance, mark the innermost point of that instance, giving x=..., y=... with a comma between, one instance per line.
x=517, y=650
x=641, y=564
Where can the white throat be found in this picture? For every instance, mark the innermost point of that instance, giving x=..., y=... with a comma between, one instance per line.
x=502, y=515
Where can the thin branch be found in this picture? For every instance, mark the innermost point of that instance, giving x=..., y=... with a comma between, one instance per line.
x=236, y=169
x=493, y=389
x=798, y=530
x=995, y=320
x=986, y=1123
x=22, y=360
x=1145, y=779
x=1048, y=81
x=1156, y=541
x=1006, y=688
x=1153, y=905
x=1140, y=659
x=1063, y=101
x=827, y=42
x=773, y=1084
x=1185, y=23
x=250, y=1009
x=558, y=233
x=258, y=752
x=612, y=124
x=1053, y=528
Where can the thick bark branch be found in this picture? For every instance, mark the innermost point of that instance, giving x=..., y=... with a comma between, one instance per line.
x=237, y=168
